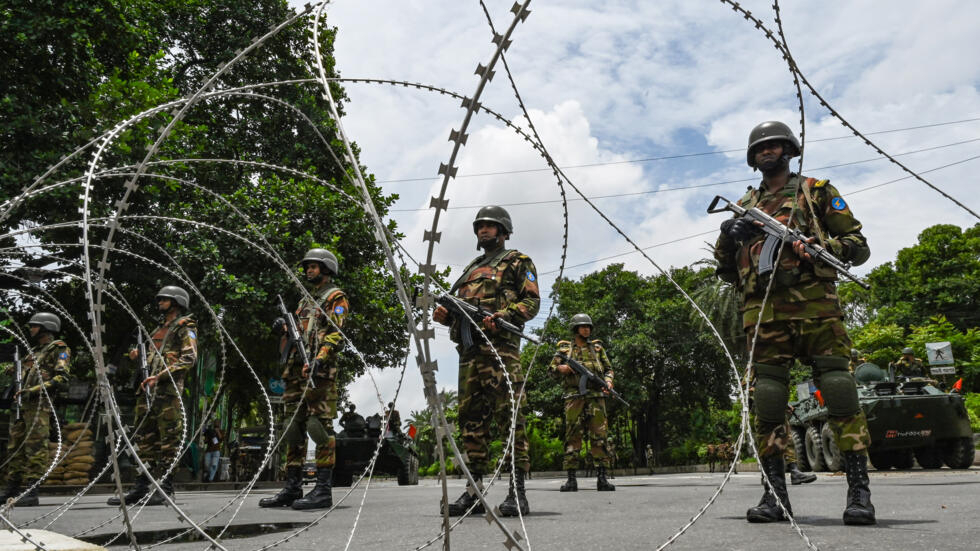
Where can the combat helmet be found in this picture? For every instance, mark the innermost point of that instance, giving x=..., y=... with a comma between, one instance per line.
x=908, y=351
x=767, y=132
x=175, y=293
x=324, y=257
x=868, y=373
x=493, y=213
x=579, y=320
x=47, y=320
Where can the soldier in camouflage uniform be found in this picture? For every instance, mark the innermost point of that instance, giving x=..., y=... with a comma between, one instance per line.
x=855, y=361
x=30, y=433
x=504, y=282
x=320, y=321
x=584, y=412
x=802, y=318
x=908, y=365
x=172, y=353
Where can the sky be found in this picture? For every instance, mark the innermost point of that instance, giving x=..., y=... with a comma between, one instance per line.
x=616, y=82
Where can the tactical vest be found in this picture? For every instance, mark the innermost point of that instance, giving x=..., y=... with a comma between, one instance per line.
x=589, y=356
x=45, y=357
x=481, y=282
x=167, y=347
x=309, y=315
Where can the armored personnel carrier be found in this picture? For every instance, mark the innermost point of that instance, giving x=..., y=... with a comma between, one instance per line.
x=909, y=420
x=355, y=447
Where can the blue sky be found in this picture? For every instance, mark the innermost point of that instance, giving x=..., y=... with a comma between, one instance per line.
x=614, y=81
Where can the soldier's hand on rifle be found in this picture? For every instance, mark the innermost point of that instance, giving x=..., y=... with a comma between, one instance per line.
x=149, y=382
x=134, y=353
x=489, y=323
x=606, y=390
x=440, y=315
x=279, y=326
x=20, y=393
x=798, y=248
x=564, y=369
x=740, y=229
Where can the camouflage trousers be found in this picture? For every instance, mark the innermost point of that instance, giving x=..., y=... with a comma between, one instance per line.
x=315, y=413
x=782, y=342
x=583, y=414
x=484, y=398
x=159, y=437
x=30, y=433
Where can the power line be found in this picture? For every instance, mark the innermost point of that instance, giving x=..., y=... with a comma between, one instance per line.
x=653, y=191
x=667, y=157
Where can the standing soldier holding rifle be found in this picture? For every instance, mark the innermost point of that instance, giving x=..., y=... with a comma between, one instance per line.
x=172, y=352
x=588, y=409
x=309, y=346
x=47, y=367
x=503, y=285
x=802, y=317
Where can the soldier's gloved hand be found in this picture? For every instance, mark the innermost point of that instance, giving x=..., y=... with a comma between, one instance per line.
x=441, y=315
x=739, y=229
x=278, y=326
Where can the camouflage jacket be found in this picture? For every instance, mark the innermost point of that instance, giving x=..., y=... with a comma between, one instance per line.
x=802, y=289
x=592, y=356
x=52, y=360
x=321, y=337
x=501, y=281
x=906, y=368
x=174, y=349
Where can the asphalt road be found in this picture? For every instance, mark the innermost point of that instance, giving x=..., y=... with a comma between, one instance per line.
x=924, y=510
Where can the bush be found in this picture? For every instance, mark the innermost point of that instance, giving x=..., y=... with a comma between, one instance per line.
x=973, y=409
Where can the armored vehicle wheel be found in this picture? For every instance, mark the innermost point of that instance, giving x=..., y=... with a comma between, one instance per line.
x=814, y=448
x=958, y=453
x=408, y=474
x=798, y=434
x=881, y=460
x=902, y=459
x=342, y=478
x=831, y=453
x=929, y=457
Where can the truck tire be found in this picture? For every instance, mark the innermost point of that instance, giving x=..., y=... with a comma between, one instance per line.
x=798, y=434
x=408, y=474
x=958, y=453
x=902, y=459
x=814, y=448
x=831, y=453
x=929, y=457
x=881, y=460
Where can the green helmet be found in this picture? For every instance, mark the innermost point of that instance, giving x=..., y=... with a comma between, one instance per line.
x=47, y=320
x=854, y=353
x=867, y=373
x=175, y=293
x=324, y=257
x=767, y=132
x=495, y=214
x=579, y=320
x=907, y=350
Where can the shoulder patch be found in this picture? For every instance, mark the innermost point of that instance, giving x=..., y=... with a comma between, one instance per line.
x=821, y=183
x=192, y=334
x=339, y=310
x=838, y=203
x=531, y=276
x=63, y=356
x=564, y=345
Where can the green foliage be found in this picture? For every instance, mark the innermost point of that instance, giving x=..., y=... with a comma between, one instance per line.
x=972, y=401
x=881, y=343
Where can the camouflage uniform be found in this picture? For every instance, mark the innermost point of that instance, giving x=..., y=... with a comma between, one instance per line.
x=318, y=408
x=802, y=317
x=173, y=353
x=499, y=281
x=588, y=411
x=33, y=428
x=909, y=368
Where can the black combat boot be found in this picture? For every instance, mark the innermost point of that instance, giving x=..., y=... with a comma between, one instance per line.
x=515, y=496
x=13, y=489
x=459, y=507
x=859, y=509
x=797, y=477
x=167, y=484
x=141, y=487
x=570, y=485
x=30, y=499
x=768, y=510
x=601, y=483
x=320, y=497
x=292, y=491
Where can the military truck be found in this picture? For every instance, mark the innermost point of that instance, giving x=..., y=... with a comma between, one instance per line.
x=909, y=420
x=356, y=445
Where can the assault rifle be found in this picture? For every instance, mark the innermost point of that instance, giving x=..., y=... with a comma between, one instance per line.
x=587, y=376
x=464, y=311
x=777, y=234
x=18, y=381
x=294, y=339
x=144, y=370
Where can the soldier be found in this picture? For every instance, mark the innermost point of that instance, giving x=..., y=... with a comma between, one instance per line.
x=855, y=360
x=320, y=321
x=802, y=317
x=172, y=353
x=394, y=420
x=908, y=365
x=30, y=433
x=584, y=411
x=650, y=456
x=504, y=282
x=352, y=422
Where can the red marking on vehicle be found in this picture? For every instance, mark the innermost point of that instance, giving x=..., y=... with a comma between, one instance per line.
x=919, y=416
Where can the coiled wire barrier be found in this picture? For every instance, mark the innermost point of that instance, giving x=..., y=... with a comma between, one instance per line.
x=105, y=237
